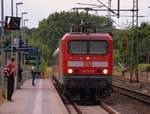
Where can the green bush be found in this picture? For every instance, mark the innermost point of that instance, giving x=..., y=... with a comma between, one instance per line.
x=43, y=65
x=143, y=66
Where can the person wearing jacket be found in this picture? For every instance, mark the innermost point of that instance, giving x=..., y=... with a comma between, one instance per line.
x=33, y=72
x=11, y=74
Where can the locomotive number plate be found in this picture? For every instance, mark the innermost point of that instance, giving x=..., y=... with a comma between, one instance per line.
x=88, y=64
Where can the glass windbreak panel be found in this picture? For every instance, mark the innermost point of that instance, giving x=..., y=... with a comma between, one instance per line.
x=78, y=47
x=98, y=47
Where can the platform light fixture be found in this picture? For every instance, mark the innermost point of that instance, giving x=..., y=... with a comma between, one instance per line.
x=17, y=4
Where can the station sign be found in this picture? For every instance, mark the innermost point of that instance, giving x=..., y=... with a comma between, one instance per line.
x=32, y=57
x=19, y=43
x=16, y=43
x=22, y=43
x=32, y=62
x=30, y=51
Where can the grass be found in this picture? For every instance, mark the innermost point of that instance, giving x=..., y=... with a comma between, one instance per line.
x=117, y=71
x=143, y=67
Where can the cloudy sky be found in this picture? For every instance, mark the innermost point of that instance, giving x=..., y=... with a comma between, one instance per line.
x=40, y=9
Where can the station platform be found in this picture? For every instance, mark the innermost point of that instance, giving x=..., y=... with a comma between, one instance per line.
x=40, y=99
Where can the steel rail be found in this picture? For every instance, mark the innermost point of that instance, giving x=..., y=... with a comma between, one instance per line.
x=143, y=97
x=108, y=108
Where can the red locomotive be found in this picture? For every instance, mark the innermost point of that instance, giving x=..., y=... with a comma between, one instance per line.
x=82, y=65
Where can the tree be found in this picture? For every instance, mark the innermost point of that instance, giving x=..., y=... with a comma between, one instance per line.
x=52, y=29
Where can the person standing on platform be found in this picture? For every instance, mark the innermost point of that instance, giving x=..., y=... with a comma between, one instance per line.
x=33, y=72
x=10, y=84
x=20, y=70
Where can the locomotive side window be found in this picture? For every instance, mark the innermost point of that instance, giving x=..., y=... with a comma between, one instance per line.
x=78, y=47
x=98, y=47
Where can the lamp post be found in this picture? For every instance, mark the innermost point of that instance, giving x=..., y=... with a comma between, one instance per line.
x=17, y=53
x=12, y=10
x=23, y=31
x=2, y=31
x=17, y=4
x=3, y=82
x=24, y=23
x=22, y=14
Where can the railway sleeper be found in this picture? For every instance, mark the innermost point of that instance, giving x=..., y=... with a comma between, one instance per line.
x=90, y=94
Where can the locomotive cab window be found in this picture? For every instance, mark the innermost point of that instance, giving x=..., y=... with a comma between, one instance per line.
x=88, y=47
x=78, y=47
x=98, y=47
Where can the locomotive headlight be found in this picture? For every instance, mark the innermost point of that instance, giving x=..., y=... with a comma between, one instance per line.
x=105, y=71
x=87, y=58
x=70, y=71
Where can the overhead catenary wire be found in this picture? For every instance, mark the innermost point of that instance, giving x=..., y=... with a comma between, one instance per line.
x=90, y=4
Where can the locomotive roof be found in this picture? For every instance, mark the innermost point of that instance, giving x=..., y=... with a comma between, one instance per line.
x=102, y=36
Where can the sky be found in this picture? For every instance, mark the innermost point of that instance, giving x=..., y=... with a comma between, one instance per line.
x=40, y=9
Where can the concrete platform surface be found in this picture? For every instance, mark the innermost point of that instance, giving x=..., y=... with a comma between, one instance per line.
x=40, y=99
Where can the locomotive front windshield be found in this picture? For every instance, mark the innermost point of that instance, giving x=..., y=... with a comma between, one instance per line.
x=88, y=47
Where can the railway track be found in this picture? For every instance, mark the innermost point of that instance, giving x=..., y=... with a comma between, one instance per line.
x=120, y=78
x=92, y=110
x=133, y=94
x=74, y=108
x=95, y=109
